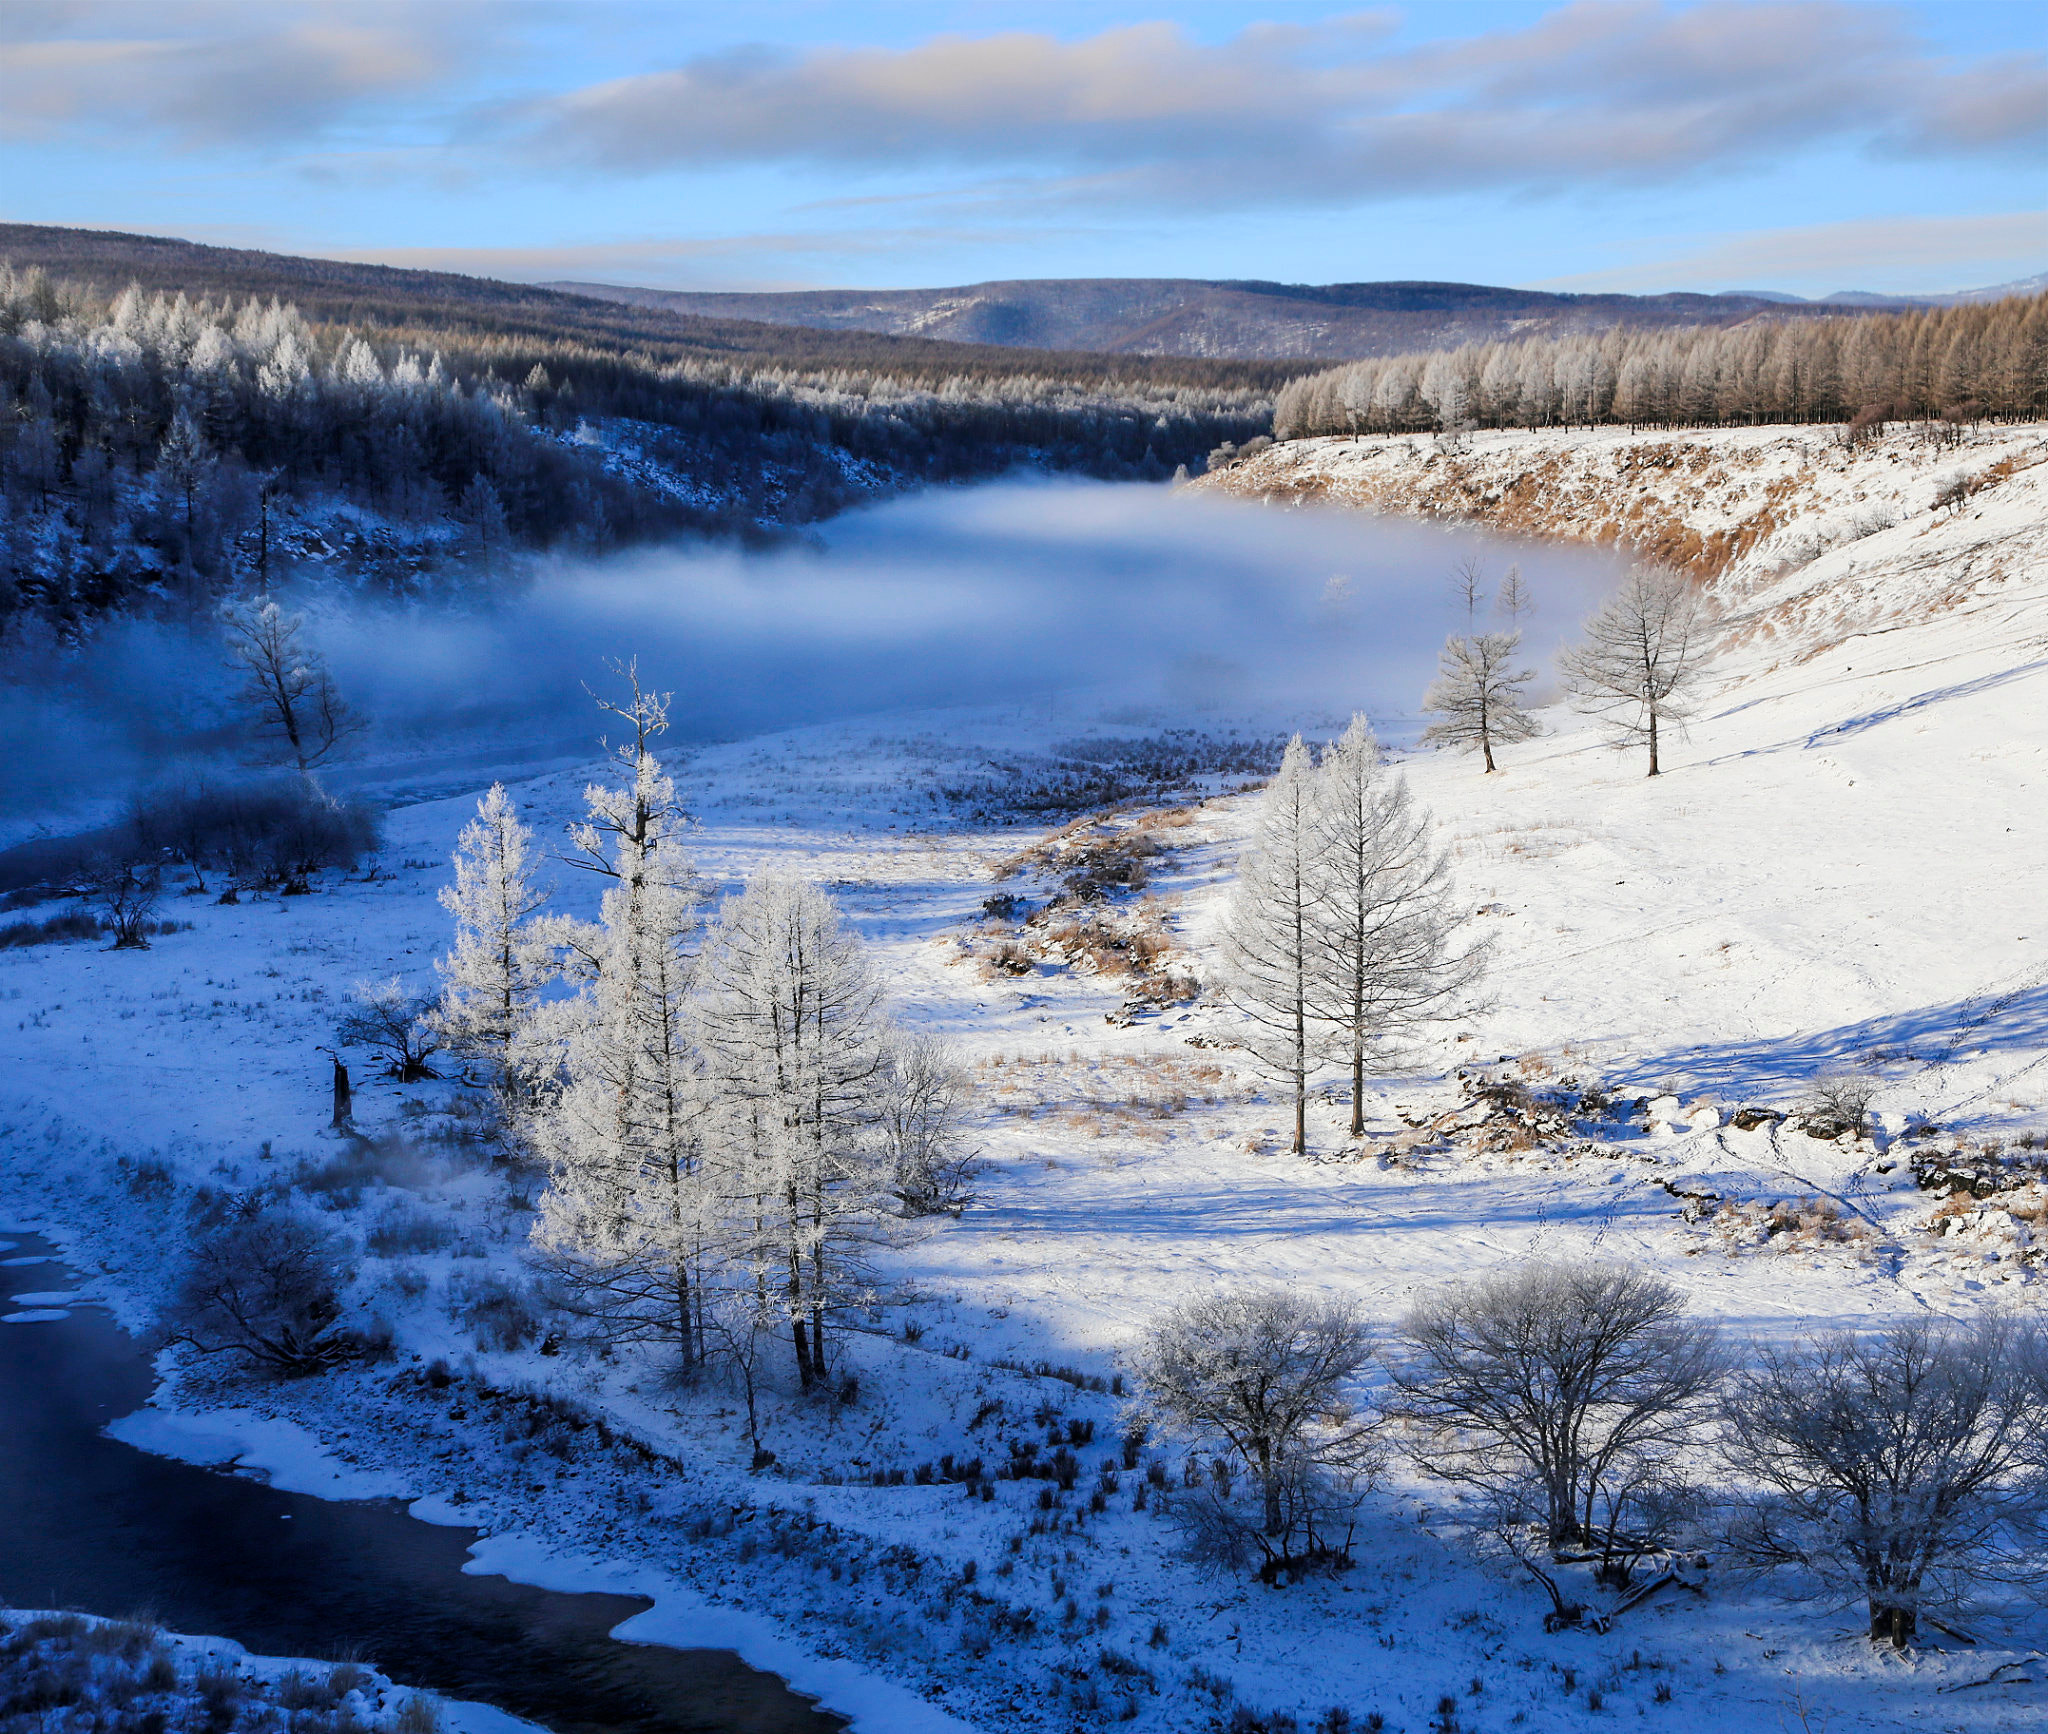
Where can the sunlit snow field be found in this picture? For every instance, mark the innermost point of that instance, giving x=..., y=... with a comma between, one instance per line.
x=1843, y=866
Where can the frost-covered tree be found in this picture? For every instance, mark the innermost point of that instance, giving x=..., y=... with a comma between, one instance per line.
x=1899, y=1467
x=183, y=461
x=796, y=1053
x=1273, y=947
x=491, y=980
x=1512, y=599
x=1642, y=652
x=286, y=684
x=1384, y=921
x=922, y=1104
x=1477, y=696
x=625, y=1219
x=1264, y=1370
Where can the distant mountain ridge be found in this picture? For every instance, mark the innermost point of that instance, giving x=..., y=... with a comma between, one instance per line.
x=1235, y=318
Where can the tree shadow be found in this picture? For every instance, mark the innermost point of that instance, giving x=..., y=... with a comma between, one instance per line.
x=2014, y=1019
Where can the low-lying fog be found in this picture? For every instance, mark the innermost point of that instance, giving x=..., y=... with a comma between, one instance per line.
x=1120, y=597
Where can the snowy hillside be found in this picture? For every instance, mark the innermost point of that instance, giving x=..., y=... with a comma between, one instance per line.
x=1840, y=869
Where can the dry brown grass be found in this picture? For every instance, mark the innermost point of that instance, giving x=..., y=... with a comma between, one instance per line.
x=1789, y=1225
x=1135, y=1095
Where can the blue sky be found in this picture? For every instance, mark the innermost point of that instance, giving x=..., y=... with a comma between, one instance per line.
x=1807, y=145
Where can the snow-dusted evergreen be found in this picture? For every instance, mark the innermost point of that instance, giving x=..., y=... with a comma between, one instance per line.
x=1273, y=943
x=1479, y=697
x=796, y=1053
x=492, y=979
x=1386, y=946
x=1642, y=653
x=624, y=1220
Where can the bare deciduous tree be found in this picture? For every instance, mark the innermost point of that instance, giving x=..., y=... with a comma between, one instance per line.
x=124, y=893
x=1477, y=696
x=1513, y=598
x=265, y=1286
x=1900, y=1467
x=1468, y=586
x=1384, y=922
x=286, y=685
x=387, y=1018
x=1641, y=653
x=1265, y=1371
x=1837, y=1102
x=1576, y=1381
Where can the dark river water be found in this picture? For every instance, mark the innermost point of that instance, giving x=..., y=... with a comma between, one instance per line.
x=93, y=1524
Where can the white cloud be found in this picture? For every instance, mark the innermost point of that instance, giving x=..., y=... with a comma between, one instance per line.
x=1603, y=91
x=211, y=74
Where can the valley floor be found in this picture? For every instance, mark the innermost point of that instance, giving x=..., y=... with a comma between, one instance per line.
x=1842, y=868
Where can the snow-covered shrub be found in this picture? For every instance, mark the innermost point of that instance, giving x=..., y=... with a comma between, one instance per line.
x=409, y=1231
x=921, y=1105
x=1786, y=1224
x=61, y=1673
x=125, y=893
x=278, y=830
x=75, y=924
x=267, y=1287
x=498, y=1311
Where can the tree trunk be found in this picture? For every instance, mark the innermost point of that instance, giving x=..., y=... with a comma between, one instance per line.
x=1653, y=740
x=1357, y=1086
x=1890, y=1625
x=344, y=1107
x=803, y=1353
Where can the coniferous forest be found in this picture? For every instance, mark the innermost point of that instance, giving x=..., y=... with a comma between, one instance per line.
x=160, y=448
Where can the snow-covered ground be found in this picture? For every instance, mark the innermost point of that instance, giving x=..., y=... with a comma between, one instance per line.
x=1841, y=868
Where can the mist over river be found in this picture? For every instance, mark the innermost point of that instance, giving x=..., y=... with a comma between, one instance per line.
x=1169, y=606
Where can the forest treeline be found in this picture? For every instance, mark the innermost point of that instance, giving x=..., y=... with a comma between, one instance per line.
x=159, y=449
x=1975, y=360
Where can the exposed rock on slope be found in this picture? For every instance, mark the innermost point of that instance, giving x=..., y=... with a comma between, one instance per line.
x=1799, y=534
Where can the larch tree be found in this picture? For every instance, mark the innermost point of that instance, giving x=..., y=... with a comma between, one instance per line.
x=1513, y=598
x=1272, y=940
x=1478, y=695
x=286, y=685
x=1384, y=924
x=796, y=1051
x=491, y=980
x=1641, y=654
x=624, y=1222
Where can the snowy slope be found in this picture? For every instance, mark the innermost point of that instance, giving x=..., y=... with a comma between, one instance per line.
x=1841, y=867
